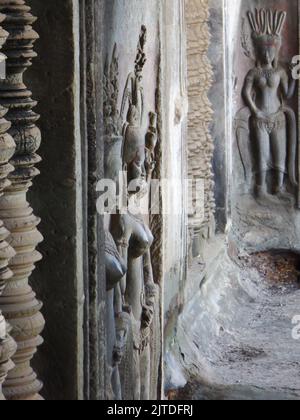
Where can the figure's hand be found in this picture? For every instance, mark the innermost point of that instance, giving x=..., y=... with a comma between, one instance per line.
x=147, y=316
x=260, y=114
x=291, y=67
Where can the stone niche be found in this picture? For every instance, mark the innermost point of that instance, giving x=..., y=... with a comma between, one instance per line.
x=234, y=337
x=262, y=39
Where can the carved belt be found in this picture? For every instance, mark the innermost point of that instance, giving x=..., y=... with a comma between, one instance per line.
x=275, y=122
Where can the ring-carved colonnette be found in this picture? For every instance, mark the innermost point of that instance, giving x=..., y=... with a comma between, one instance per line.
x=18, y=302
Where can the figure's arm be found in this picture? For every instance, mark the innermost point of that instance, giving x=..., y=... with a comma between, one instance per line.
x=287, y=88
x=247, y=93
x=118, y=231
x=127, y=95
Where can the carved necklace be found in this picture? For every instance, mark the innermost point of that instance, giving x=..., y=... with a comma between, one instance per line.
x=266, y=73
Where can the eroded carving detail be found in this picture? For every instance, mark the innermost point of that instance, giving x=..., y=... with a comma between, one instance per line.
x=266, y=128
x=18, y=302
x=7, y=149
x=200, y=142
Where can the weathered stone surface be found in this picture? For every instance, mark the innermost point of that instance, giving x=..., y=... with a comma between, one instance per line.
x=173, y=126
x=216, y=56
x=262, y=228
x=235, y=337
x=200, y=142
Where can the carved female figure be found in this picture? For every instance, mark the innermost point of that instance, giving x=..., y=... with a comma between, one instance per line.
x=134, y=240
x=117, y=321
x=131, y=292
x=137, y=293
x=272, y=123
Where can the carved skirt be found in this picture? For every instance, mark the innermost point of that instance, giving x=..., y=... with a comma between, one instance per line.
x=270, y=143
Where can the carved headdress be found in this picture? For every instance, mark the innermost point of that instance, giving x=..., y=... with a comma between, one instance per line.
x=266, y=28
x=141, y=59
x=266, y=23
x=133, y=93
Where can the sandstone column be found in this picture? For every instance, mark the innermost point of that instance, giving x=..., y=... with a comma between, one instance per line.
x=7, y=148
x=18, y=302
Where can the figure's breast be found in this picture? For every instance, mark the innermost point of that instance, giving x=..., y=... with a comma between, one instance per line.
x=268, y=81
x=261, y=82
x=141, y=238
x=273, y=81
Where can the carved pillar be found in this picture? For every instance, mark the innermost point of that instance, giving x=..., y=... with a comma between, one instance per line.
x=200, y=142
x=7, y=149
x=18, y=302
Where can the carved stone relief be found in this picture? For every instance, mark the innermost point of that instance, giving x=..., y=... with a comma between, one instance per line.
x=115, y=266
x=133, y=295
x=7, y=149
x=263, y=139
x=18, y=302
x=266, y=129
x=200, y=142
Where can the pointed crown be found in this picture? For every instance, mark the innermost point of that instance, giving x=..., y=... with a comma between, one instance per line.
x=266, y=22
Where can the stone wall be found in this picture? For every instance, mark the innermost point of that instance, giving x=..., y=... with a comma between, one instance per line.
x=56, y=196
x=200, y=142
x=174, y=146
x=216, y=95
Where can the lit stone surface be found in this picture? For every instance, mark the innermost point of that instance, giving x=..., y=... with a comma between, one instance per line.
x=18, y=302
x=7, y=149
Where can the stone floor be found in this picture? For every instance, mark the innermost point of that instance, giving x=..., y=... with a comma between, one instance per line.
x=234, y=339
x=274, y=225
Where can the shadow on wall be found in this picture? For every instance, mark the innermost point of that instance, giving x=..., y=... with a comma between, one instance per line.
x=53, y=196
